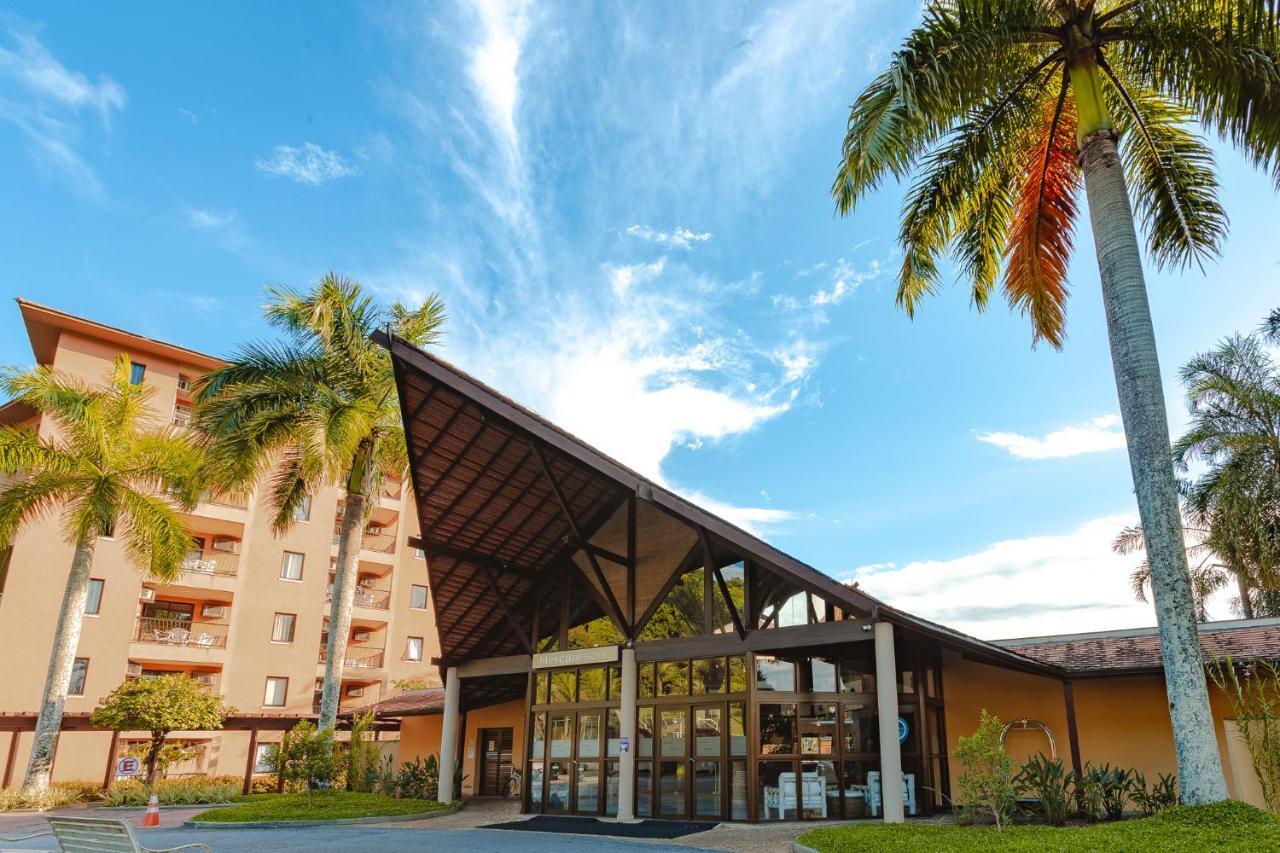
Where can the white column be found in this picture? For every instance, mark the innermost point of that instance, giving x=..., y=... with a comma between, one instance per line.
x=449, y=734
x=887, y=705
x=627, y=758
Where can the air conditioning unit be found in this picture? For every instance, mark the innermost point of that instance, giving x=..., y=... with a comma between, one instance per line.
x=214, y=611
x=204, y=679
x=147, y=594
x=360, y=636
x=355, y=691
x=133, y=670
x=184, y=384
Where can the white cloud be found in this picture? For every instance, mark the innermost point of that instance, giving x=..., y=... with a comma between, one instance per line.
x=206, y=220
x=621, y=278
x=44, y=99
x=845, y=281
x=307, y=163
x=1096, y=436
x=678, y=237
x=1038, y=585
x=495, y=63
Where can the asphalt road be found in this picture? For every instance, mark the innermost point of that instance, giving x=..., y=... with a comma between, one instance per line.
x=355, y=839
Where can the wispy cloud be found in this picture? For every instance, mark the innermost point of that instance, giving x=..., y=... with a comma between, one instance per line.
x=45, y=100
x=307, y=163
x=622, y=277
x=1095, y=436
x=495, y=61
x=206, y=220
x=1037, y=585
x=678, y=237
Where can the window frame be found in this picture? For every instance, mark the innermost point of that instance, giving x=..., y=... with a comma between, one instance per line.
x=284, y=695
x=293, y=628
x=305, y=508
x=408, y=649
x=94, y=584
x=139, y=370
x=84, y=677
x=413, y=588
x=284, y=561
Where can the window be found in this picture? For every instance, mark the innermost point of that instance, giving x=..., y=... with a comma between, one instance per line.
x=414, y=649
x=282, y=628
x=291, y=566
x=419, y=553
x=94, y=602
x=302, y=512
x=181, y=415
x=261, y=754
x=277, y=689
x=418, y=597
x=79, y=670
x=775, y=674
x=136, y=372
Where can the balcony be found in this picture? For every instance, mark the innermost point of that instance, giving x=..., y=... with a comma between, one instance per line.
x=181, y=632
x=371, y=599
x=211, y=563
x=358, y=658
x=380, y=541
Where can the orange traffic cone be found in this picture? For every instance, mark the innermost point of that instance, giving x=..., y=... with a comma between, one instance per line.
x=152, y=817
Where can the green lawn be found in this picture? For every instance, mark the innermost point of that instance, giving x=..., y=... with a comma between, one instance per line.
x=326, y=805
x=1221, y=826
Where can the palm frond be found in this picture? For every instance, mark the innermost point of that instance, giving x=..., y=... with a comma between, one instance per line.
x=23, y=450
x=155, y=537
x=421, y=326
x=28, y=498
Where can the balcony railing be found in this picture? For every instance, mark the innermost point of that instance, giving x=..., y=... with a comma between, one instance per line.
x=211, y=563
x=384, y=542
x=374, y=599
x=358, y=657
x=233, y=501
x=181, y=632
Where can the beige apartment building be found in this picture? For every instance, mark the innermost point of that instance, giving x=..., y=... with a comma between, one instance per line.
x=247, y=617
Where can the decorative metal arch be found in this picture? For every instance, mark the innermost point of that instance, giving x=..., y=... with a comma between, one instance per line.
x=1026, y=724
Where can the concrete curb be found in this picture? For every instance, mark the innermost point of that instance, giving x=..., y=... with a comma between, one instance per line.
x=344, y=821
x=168, y=807
x=797, y=847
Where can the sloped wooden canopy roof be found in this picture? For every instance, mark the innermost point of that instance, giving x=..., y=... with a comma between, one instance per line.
x=510, y=504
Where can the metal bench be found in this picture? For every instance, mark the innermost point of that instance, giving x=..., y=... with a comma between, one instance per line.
x=100, y=835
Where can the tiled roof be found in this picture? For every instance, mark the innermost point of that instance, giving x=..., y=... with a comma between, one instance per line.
x=411, y=703
x=1139, y=650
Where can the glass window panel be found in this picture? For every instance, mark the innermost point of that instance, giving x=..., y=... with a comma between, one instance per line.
x=557, y=786
x=94, y=603
x=588, y=787
x=775, y=674
x=671, y=787
x=707, y=725
x=857, y=670
x=931, y=682
x=675, y=728
x=706, y=788
x=861, y=784
x=780, y=602
x=539, y=739
x=589, y=735
x=708, y=676
x=738, y=790
x=611, y=776
x=906, y=678
x=738, y=674
x=80, y=671
x=737, y=728
x=735, y=580
x=535, y=786
x=779, y=790
x=821, y=789
x=645, y=681
x=564, y=686
x=561, y=736
x=861, y=729
x=540, y=688
x=913, y=785
x=644, y=732
x=291, y=566
x=282, y=627
x=598, y=632
x=591, y=685
x=680, y=614
x=907, y=721
x=417, y=596
x=644, y=788
x=276, y=690
x=613, y=728
x=615, y=682
x=818, y=729
x=822, y=675
x=673, y=678
x=777, y=729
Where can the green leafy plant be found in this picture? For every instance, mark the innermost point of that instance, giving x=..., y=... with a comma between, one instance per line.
x=161, y=705
x=1162, y=794
x=175, y=792
x=1115, y=791
x=1049, y=782
x=986, y=775
x=56, y=795
x=304, y=758
x=173, y=752
x=362, y=755
x=1254, y=694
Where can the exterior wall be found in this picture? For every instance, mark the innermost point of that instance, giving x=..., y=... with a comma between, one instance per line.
x=1121, y=720
x=41, y=561
x=420, y=737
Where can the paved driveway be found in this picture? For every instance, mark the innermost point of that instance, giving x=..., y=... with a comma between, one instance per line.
x=372, y=840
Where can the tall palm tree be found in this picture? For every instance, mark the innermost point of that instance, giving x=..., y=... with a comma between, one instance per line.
x=1004, y=107
x=318, y=409
x=110, y=471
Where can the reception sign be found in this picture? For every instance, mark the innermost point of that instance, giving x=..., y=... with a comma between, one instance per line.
x=576, y=657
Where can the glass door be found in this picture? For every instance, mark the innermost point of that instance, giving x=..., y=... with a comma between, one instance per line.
x=586, y=796
x=673, y=762
x=559, y=771
x=708, y=754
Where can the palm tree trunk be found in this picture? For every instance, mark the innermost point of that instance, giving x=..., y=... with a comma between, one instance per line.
x=350, y=541
x=1246, y=603
x=1146, y=424
x=62, y=658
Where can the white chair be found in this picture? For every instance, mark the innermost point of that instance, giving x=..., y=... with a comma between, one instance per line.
x=908, y=792
x=89, y=834
x=813, y=794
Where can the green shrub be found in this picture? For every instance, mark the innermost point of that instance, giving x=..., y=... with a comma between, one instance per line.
x=58, y=794
x=1049, y=782
x=363, y=754
x=1161, y=795
x=986, y=774
x=305, y=758
x=1090, y=787
x=176, y=792
x=1254, y=693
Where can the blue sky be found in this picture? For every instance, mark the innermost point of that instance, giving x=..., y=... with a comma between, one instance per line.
x=625, y=207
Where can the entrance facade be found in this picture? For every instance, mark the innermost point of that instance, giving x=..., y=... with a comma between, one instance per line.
x=495, y=761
